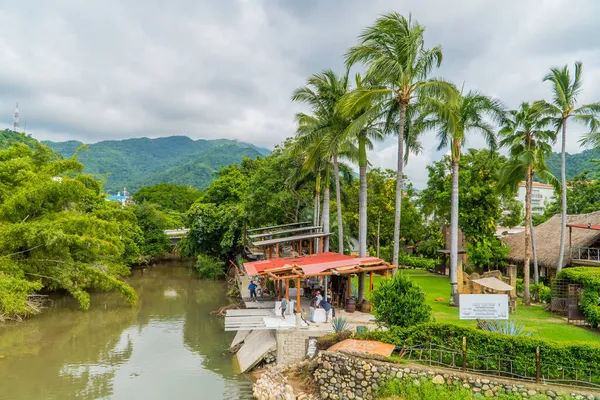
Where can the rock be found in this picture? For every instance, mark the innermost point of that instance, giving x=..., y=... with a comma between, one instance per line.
x=551, y=394
x=438, y=380
x=531, y=392
x=399, y=374
x=488, y=393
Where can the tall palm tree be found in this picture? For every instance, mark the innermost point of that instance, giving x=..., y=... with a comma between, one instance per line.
x=525, y=133
x=365, y=126
x=394, y=53
x=566, y=90
x=321, y=137
x=454, y=117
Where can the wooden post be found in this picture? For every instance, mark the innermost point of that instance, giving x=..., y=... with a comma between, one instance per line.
x=321, y=240
x=349, y=285
x=264, y=253
x=371, y=282
x=298, y=295
x=270, y=252
x=570, y=244
x=537, y=365
x=310, y=247
x=464, y=349
x=277, y=251
x=287, y=289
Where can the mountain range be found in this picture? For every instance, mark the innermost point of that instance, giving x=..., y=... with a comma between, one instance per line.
x=134, y=163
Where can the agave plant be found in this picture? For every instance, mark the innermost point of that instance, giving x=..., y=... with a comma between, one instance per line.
x=339, y=324
x=506, y=327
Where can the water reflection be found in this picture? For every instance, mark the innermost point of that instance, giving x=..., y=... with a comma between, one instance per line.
x=166, y=345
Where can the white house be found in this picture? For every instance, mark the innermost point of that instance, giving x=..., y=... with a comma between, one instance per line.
x=541, y=196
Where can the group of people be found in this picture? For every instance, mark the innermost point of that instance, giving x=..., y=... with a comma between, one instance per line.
x=316, y=302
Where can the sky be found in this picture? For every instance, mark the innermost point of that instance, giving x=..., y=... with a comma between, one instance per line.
x=110, y=70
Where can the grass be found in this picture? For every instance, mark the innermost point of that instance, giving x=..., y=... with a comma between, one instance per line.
x=397, y=389
x=534, y=318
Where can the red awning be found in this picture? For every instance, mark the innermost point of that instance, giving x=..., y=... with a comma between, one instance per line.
x=256, y=267
x=585, y=226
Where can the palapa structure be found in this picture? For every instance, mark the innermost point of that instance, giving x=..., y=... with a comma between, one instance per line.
x=582, y=245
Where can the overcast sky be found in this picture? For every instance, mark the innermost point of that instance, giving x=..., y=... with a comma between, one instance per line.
x=91, y=70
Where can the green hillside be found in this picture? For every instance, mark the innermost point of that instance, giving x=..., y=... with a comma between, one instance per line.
x=9, y=137
x=576, y=163
x=134, y=163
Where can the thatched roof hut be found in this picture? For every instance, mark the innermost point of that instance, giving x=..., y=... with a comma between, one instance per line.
x=547, y=239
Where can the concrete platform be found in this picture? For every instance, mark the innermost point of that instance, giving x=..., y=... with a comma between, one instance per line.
x=256, y=345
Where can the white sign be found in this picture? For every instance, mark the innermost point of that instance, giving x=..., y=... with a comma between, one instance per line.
x=483, y=306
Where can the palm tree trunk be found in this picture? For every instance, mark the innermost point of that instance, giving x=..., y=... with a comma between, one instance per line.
x=399, y=184
x=317, y=207
x=536, y=267
x=527, y=257
x=338, y=200
x=563, y=219
x=325, y=218
x=362, y=210
x=454, y=235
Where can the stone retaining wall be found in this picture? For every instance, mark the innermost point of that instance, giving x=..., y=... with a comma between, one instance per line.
x=292, y=344
x=345, y=376
x=273, y=385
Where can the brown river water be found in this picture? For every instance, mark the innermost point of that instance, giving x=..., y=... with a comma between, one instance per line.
x=167, y=347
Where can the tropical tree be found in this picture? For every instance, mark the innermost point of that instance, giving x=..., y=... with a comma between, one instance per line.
x=320, y=137
x=525, y=134
x=566, y=90
x=454, y=117
x=393, y=51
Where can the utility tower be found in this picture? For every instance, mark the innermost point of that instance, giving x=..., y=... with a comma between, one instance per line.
x=16, y=118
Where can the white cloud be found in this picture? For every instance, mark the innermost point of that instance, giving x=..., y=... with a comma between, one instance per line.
x=93, y=71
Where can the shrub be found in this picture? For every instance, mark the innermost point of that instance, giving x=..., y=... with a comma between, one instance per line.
x=424, y=391
x=339, y=324
x=399, y=302
x=542, y=292
x=325, y=342
x=210, y=267
x=556, y=358
x=504, y=327
x=589, y=277
x=407, y=260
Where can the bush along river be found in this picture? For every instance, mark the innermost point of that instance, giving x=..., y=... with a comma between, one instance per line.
x=166, y=347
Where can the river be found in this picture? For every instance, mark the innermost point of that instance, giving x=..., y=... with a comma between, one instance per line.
x=167, y=347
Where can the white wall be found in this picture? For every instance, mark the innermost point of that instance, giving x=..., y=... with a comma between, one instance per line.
x=540, y=198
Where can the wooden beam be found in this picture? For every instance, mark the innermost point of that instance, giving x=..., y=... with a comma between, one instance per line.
x=349, y=290
x=270, y=252
x=371, y=281
x=310, y=247
x=277, y=250
x=321, y=241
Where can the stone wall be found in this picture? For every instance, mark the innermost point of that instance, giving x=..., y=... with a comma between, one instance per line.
x=344, y=376
x=273, y=384
x=292, y=344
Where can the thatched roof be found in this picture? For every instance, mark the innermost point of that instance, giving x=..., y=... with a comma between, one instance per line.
x=547, y=239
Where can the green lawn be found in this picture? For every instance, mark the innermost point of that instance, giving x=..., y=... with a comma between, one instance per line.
x=534, y=318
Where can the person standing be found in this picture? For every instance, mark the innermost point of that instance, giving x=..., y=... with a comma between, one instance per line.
x=252, y=288
x=283, y=306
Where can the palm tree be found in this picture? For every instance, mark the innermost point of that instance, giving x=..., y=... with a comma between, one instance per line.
x=454, y=117
x=566, y=90
x=320, y=137
x=394, y=53
x=524, y=133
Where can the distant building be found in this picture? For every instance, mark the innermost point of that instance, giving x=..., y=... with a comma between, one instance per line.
x=124, y=198
x=541, y=196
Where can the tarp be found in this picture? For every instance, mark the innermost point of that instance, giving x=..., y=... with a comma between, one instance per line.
x=494, y=283
x=364, y=346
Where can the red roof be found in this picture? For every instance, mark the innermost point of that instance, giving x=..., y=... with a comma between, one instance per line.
x=314, y=260
x=318, y=268
x=585, y=226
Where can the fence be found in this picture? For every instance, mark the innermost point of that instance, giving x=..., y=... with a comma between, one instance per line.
x=525, y=367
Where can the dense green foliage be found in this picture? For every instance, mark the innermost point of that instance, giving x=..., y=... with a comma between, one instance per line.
x=555, y=357
x=399, y=302
x=134, y=163
x=9, y=137
x=481, y=204
x=210, y=267
x=576, y=164
x=58, y=232
x=169, y=196
x=153, y=223
x=589, y=277
x=582, y=197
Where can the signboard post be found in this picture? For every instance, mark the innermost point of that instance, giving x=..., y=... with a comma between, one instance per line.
x=483, y=306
